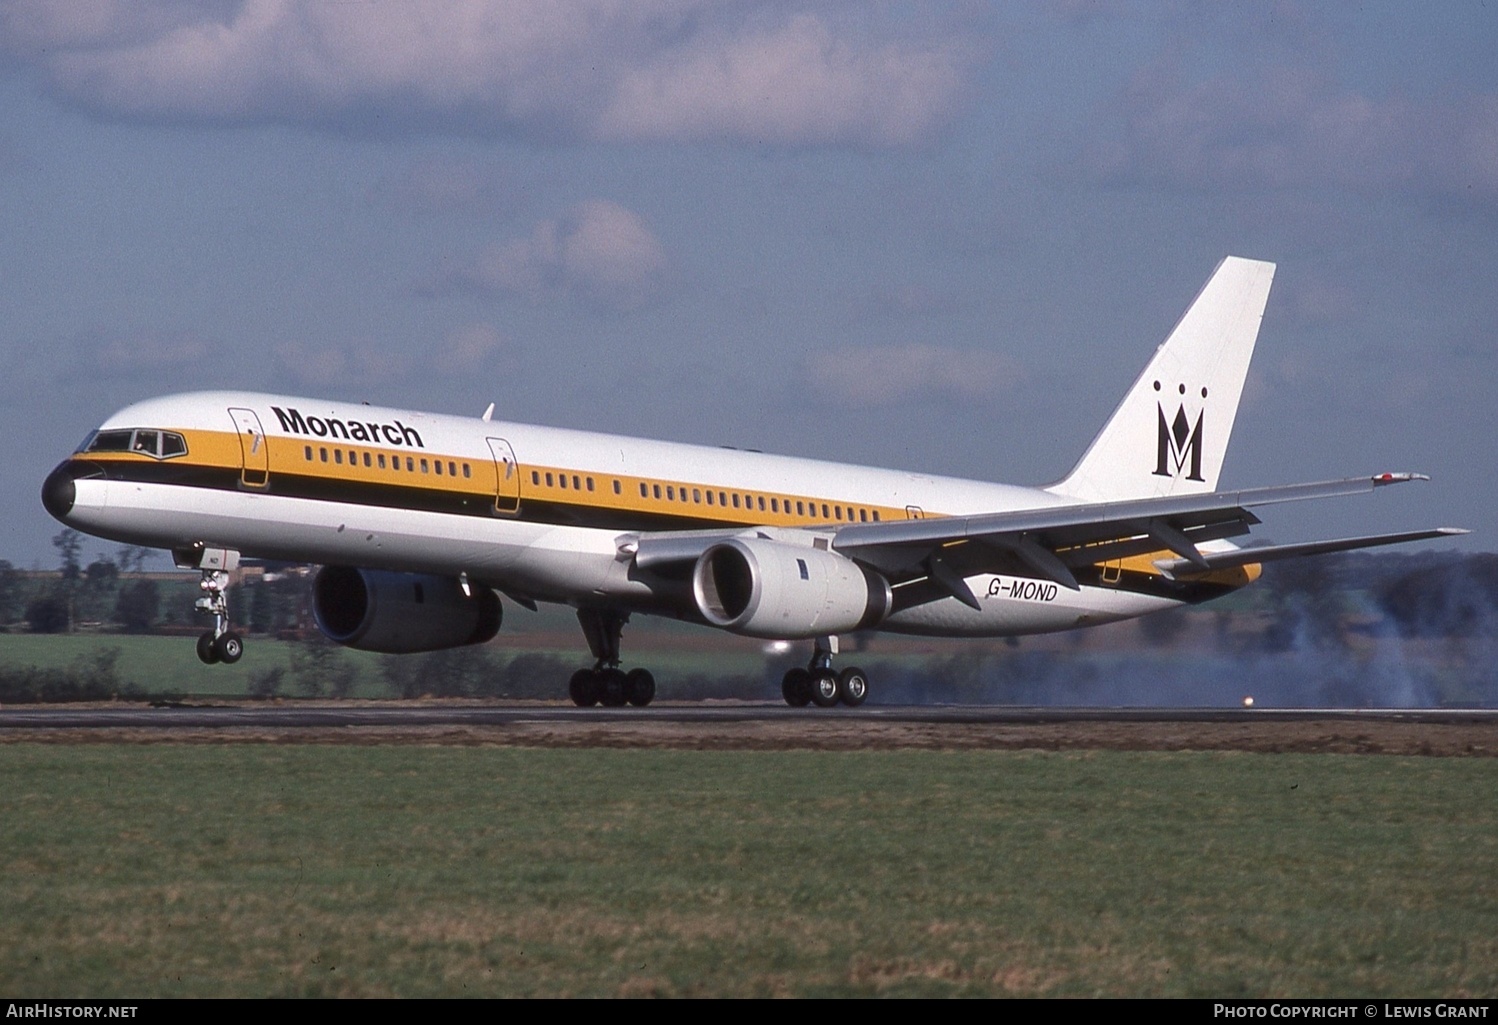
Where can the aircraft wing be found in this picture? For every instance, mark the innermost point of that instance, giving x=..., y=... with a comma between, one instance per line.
x=1051, y=542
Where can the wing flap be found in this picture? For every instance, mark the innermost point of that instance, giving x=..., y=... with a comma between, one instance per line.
x=1270, y=553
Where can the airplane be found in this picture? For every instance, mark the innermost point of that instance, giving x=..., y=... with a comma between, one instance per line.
x=422, y=521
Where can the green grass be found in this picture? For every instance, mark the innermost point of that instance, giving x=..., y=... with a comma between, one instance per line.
x=160, y=665
x=164, y=870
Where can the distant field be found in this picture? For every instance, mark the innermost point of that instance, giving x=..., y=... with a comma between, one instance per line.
x=172, y=870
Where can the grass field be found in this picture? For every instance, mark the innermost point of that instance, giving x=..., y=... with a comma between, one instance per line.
x=166, y=870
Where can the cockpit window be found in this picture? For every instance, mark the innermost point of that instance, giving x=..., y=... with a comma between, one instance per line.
x=156, y=444
x=111, y=441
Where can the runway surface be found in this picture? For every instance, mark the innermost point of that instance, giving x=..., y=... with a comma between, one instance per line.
x=205, y=716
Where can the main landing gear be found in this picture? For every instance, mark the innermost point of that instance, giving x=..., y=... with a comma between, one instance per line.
x=219, y=644
x=606, y=684
x=821, y=685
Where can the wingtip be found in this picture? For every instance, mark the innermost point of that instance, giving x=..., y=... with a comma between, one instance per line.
x=1380, y=479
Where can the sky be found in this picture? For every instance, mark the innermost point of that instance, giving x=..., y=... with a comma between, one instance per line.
x=935, y=236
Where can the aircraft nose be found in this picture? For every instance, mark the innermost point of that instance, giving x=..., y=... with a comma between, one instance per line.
x=59, y=492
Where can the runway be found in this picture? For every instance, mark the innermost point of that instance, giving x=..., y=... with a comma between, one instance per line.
x=347, y=715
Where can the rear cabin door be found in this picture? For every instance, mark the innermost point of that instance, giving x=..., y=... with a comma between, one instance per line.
x=507, y=488
x=253, y=449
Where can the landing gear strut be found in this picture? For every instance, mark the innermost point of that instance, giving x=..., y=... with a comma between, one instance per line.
x=606, y=684
x=219, y=644
x=214, y=564
x=820, y=684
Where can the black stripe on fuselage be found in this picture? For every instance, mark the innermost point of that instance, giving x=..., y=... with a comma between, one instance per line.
x=403, y=496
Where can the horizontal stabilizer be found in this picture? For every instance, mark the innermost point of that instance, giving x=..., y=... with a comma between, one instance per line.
x=1270, y=553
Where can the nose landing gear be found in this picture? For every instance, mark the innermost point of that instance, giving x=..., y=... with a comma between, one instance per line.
x=215, y=564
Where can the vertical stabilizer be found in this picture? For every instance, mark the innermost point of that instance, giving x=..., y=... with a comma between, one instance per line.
x=1170, y=434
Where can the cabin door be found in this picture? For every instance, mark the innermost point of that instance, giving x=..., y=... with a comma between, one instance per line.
x=507, y=487
x=253, y=450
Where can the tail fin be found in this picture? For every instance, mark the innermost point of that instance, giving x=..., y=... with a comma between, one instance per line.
x=1170, y=433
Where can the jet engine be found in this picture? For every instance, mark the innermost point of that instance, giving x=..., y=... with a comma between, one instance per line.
x=399, y=613
x=769, y=589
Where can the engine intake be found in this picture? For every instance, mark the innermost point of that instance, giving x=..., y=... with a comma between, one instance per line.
x=768, y=589
x=400, y=613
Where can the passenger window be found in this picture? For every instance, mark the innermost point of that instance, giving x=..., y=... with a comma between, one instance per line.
x=338, y=456
x=644, y=490
x=366, y=459
x=423, y=466
x=308, y=450
x=549, y=480
x=709, y=498
x=775, y=505
x=863, y=516
x=381, y=459
x=590, y=483
x=876, y=515
x=800, y=508
x=410, y=465
x=452, y=468
x=467, y=473
x=657, y=489
x=670, y=493
x=697, y=495
x=561, y=480
x=322, y=454
x=438, y=467
x=535, y=476
x=761, y=503
x=576, y=485
x=735, y=500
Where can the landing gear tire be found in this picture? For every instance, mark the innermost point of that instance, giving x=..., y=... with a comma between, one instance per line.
x=583, y=688
x=852, y=686
x=639, y=687
x=207, y=649
x=611, y=688
x=824, y=688
x=795, y=687
x=229, y=648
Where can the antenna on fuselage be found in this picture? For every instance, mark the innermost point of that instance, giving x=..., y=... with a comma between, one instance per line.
x=488, y=413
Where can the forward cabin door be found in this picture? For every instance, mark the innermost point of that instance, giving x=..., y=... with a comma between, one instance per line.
x=253, y=449
x=507, y=490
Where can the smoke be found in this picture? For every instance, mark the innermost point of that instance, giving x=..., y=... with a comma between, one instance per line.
x=1343, y=631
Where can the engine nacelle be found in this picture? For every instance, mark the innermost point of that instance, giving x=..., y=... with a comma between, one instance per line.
x=399, y=613
x=769, y=589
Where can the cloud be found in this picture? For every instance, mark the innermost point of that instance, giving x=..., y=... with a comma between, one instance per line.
x=357, y=364
x=600, y=252
x=442, y=186
x=1286, y=127
x=889, y=375
x=468, y=349
x=673, y=70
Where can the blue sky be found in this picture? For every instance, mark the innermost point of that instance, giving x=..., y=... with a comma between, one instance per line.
x=942, y=236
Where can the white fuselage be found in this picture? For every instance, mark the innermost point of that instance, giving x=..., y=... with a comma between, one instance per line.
x=538, y=512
